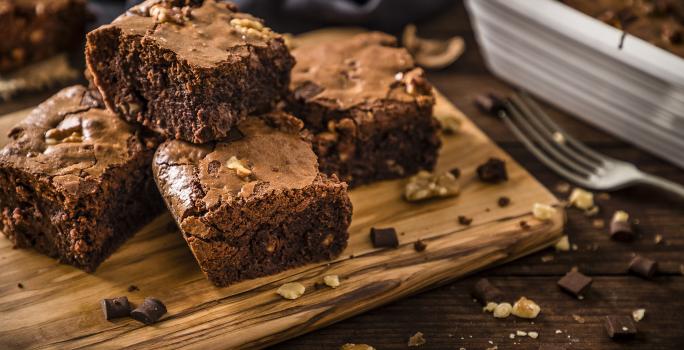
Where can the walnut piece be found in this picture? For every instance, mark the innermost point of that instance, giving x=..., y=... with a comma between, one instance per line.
x=251, y=27
x=240, y=167
x=525, y=308
x=291, y=290
x=543, y=212
x=563, y=244
x=425, y=185
x=64, y=135
x=621, y=216
x=581, y=199
x=503, y=310
x=332, y=281
x=417, y=339
x=638, y=314
x=350, y=346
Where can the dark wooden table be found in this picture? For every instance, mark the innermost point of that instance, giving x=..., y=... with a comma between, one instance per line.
x=451, y=320
x=448, y=316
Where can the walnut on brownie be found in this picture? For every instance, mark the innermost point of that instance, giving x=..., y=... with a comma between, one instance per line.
x=255, y=205
x=189, y=69
x=77, y=180
x=33, y=30
x=368, y=105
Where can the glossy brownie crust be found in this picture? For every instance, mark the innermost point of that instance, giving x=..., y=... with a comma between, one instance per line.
x=282, y=214
x=33, y=30
x=76, y=180
x=369, y=107
x=188, y=72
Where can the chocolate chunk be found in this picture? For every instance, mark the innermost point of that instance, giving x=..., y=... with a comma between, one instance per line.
x=150, y=311
x=490, y=104
x=503, y=201
x=115, y=308
x=621, y=230
x=485, y=292
x=643, y=267
x=493, y=171
x=419, y=245
x=133, y=288
x=620, y=327
x=384, y=237
x=465, y=221
x=574, y=283
x=456, y=172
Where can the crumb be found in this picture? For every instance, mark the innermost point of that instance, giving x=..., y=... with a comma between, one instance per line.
x=638, y=314
x=558, y=331
x=574, y=247
x=533, y=335
x=562, y=187
x=133, y=288
x=20, y=286
x=593, y=211
x=512, y=336
x=332, y=281
x=466, y=221
x=524, y=225
x=503, y=201
x=559, y=138
x=417, y=339
x=291, y=291
x=598, y=223
x=521, y=333
x=419, y=245
x=547, y=258
x=578, y=318
x=456, y=172
x=490, y=307
x=658, y=239
x=525, y=308
x=563, y=244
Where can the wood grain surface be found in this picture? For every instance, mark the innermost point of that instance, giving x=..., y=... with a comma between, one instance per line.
x=58, y=307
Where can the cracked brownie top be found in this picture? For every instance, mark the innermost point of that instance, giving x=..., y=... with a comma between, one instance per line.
x=72, y=140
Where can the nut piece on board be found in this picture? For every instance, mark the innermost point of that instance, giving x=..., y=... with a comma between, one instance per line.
x=417, y=340
x=503, y=310
x=543, y=212
x=525, y=308
x=291, y=290
x=332, y=281
x=425, y=185
x=350, y=346
x=581, y=199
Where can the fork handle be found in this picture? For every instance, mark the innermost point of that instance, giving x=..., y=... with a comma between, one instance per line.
x=664, y=184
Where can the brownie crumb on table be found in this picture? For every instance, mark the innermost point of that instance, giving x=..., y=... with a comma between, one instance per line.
x=464, y=220
x=77, y=180
x=190, y=72
x=419, y=245
x=368, y=106
x=492, y=171
x=243, y=220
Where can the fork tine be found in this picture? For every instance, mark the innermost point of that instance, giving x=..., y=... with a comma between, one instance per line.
x=554, y=127
x=539, y=154
x=590, y=163
x=545, y=143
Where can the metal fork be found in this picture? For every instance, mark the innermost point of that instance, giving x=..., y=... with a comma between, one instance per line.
x=569, y=157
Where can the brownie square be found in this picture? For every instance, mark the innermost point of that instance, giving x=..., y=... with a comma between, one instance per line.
x=33, y=30
x=189, y=70
x=76, y=180
x=255, y=205
x=368, y=105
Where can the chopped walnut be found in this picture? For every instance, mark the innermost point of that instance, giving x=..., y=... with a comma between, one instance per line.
x=525, y=308
x=563, y=244
x=291, y=291
x=503, y=310
x=543, y=212
x=533, y=335
x=240, y=168
x=350, y=346
x=581, y=199
x=332, y=281
x=490, y=306
x=638, y=314
x=64, y=135
x=417, y=340
x=620, y=216
x=163, y=14
x=251, y=27
x=425, y=185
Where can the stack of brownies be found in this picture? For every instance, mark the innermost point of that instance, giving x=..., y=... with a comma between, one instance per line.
x=251, y=152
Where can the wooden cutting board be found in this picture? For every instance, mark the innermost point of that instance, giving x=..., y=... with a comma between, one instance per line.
x=58, y=306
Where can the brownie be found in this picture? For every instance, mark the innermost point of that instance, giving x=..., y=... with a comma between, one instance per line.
x=33, y=30
x=189, y=70
x=255, y=205
x=368, y=105
x=660, y=22
x=76, y=180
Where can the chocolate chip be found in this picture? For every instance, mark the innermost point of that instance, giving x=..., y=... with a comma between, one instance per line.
x=456, y=172
x=503, y=201
x=150, y=311
x=465, y=221
x=574, y=283
x=20, y=286
x=643, y=267
x=489, y=104
x=384, y=237
x=485, y=292
x=419, y=245
x=493, y=171
x=620, y=327
x=133, y=288
x=115, y=308
x=621, y=230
